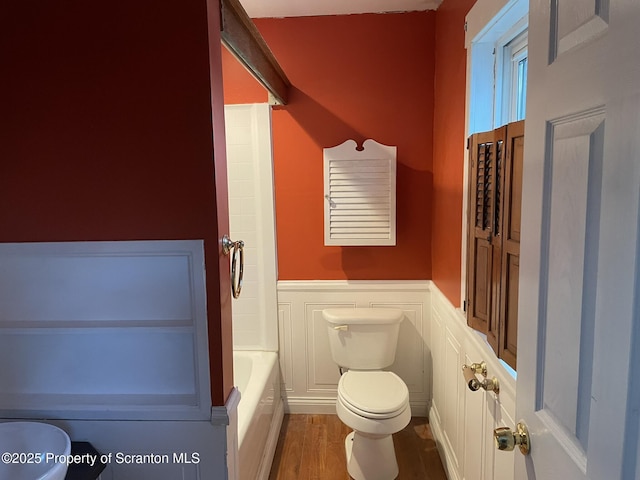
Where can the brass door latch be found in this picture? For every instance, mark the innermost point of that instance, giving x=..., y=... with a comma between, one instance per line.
x=470, y=371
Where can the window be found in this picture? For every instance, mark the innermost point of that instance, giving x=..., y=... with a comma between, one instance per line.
x=498, y=69
x=496, y=43
x=511, y=77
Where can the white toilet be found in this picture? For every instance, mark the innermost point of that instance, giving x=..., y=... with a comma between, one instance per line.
x=375, y=403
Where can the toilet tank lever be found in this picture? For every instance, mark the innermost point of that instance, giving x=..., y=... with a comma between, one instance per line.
x=341, y=327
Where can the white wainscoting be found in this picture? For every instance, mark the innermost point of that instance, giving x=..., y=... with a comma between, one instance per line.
x=104, y=330
x=309, y=375
x=462, y=421
x=108, y=340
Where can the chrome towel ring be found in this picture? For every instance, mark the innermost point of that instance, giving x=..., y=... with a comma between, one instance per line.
x=238, y=250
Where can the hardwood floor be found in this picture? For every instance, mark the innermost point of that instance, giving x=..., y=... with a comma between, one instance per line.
x=311, y=447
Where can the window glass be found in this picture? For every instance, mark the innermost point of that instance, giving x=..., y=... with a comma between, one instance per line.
x=514, y=84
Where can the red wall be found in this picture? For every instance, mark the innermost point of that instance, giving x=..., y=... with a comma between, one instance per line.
x=106, y=130
x=448, y=149
x=355, y=76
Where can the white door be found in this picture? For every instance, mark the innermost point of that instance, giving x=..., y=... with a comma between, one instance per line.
x=579, y=250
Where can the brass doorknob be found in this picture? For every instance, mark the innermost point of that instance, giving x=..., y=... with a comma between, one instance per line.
x=506, y=439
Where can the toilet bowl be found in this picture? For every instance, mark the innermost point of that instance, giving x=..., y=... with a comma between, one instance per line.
x=375, y=404
x=371, y=401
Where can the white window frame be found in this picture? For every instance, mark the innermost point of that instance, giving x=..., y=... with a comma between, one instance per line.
x=486, y=23
x=509, y=50
x=491, y=26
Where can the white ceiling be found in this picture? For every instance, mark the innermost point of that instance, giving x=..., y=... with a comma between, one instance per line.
x=304, y=8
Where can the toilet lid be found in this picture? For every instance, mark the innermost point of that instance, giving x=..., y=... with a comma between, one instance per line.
x=375, y=392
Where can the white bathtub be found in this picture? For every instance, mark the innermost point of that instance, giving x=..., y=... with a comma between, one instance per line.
x=260, y=412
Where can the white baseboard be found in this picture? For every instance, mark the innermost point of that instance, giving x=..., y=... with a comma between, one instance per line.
x=310, y=405
x=327, y=406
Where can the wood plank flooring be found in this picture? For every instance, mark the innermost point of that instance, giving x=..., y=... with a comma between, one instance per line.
x=311, y=447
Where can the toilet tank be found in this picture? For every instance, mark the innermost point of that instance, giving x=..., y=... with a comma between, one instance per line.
x=363, y=338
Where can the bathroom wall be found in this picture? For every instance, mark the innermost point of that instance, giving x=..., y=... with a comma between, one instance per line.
x=355, y=76
x=449, y=147
x=107, y=131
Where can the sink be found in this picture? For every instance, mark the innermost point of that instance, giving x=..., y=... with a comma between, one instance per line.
x=28, y=450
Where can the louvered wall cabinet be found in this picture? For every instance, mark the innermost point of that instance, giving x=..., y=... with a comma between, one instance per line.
x=360, y=194
x=493, y=250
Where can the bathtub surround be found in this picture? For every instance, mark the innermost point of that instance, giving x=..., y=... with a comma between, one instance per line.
x=255, y=327
x=251, y=219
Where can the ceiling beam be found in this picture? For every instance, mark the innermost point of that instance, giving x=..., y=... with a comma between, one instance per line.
x=241, y=37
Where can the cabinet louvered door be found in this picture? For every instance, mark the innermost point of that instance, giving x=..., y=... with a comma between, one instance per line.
x=482, y=211
x=510, y=272
x=360, y=194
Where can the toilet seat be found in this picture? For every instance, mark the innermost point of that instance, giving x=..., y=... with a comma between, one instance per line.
x=373, y=394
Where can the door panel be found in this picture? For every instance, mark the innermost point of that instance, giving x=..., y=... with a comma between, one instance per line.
x=482, y=279
x=575, y=23
x=570, y=236
x=509, y=332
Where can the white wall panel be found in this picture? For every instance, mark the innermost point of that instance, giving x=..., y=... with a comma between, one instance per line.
x=475, y=416
x=437, y=361
x=286, y=347
x=322, y=372
x=452, y=395
x=110, y=340
x=104, y=330
x=463, y=421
